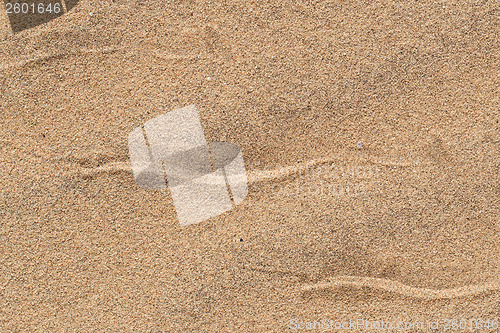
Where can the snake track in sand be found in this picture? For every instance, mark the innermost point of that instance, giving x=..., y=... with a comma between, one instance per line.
x=401, y=289
x=254, y=176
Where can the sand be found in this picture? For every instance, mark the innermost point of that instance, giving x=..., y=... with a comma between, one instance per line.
x=370, y=133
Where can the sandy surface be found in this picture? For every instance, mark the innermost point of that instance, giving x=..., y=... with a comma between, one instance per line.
x=370, y=132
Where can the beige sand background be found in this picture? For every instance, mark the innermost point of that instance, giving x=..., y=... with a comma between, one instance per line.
x=405, y=227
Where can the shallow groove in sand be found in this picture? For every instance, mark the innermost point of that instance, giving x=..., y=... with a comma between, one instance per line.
x=253, y=176
x=162, y=54
x=401, y=289
x=50, y=56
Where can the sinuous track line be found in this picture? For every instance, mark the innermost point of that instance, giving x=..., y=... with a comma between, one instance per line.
x=57, y=55
x=109, y=49
x=253, y=176
x=403, y=289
